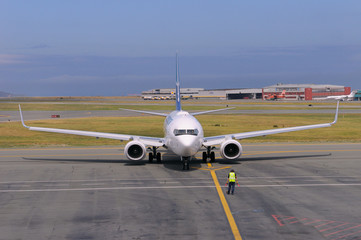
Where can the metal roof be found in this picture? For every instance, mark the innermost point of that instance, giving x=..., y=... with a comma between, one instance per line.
x=306, y=85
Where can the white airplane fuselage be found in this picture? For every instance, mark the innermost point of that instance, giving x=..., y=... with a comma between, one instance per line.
x=183, y=134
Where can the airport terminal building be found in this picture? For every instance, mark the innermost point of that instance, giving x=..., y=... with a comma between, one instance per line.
x=196, y=93
x=305, y=91
x=292, y=92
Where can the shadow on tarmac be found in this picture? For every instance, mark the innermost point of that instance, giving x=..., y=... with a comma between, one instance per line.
x=284, y=157
x=125, y=162
x=172, y=162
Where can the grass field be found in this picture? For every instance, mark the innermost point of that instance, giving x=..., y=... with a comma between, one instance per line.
x=169, y=106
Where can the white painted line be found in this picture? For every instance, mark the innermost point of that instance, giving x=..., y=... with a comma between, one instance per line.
x=21, y=185
x=314, y=180
x=56, y=185
x=100, y=189
x=277, y=181
x=93, y=184
x=106, y=180
x=175, y=187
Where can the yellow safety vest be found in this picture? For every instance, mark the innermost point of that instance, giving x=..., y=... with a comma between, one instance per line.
x=232, y=177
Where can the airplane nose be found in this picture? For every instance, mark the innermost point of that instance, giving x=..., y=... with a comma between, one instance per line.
x=189, y=145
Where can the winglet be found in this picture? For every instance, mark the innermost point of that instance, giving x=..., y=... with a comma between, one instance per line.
x=336, y=115
x=22, y=119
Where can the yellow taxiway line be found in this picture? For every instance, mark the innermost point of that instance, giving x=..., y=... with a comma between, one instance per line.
x=229, y=215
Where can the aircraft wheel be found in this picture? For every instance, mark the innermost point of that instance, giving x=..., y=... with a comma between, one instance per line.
x=212, y=156
x=150, y=157
x=204, y=157
x=186, y=163
x=159, y=159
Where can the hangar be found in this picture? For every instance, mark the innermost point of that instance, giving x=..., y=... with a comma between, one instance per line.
x=241, y=93
x=305, y=91
x=292, y=92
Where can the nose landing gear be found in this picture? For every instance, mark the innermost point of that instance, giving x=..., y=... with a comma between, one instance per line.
x=185, y=162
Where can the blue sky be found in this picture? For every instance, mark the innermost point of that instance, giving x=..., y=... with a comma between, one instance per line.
x=85, y=47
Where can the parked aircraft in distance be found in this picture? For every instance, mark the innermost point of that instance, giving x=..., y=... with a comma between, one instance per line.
x=349, y=97
x=276, y=96
x=183, y=135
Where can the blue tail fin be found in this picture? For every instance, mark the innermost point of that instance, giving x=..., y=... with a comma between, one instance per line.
x=177, y=88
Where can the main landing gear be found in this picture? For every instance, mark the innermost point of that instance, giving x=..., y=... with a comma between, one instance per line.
x=185, y=162
x=154, y=155
x=209, y=154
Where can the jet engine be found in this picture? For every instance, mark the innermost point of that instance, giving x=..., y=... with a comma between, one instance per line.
x=135, y=150
x=231, y=149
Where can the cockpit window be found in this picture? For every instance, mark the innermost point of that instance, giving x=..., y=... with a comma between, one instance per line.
x=178, y=132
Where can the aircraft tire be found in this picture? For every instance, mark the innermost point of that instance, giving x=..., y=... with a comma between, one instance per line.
x=212, y=157
x=204, y=157
x=159, y=157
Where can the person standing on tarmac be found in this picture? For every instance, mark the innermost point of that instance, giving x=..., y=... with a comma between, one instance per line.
x=231, y=181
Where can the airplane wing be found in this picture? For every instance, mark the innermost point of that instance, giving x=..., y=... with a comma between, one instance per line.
x=216, y=140
x=148, y=141
x=209, y=111
x=147, y=112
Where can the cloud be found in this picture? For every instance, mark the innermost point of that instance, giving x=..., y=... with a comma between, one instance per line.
x=11, y=59
x=39, y=46
x=64, y=79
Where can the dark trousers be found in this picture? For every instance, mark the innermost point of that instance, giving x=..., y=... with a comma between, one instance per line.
x=231, y=187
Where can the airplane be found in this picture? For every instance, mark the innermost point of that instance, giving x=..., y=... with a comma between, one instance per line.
x=183, y=135
x=349, y=97
x=276, y=96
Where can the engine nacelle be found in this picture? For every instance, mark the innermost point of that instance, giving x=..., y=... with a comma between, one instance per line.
x=231, y=149
x=135, y=150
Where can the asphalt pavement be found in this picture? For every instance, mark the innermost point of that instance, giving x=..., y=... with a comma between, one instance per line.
x=287, y=191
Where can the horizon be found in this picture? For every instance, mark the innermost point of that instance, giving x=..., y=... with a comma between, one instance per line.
x=88, y=48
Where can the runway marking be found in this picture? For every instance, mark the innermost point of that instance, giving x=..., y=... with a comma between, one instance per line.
x=334, y=229
x=210, y=168
x=62, y=149
x=300, y=151
x=104, y=180
x=57, y=185
x=93, y=184
x=97, y=189
x=226, y=208
x=219, y=188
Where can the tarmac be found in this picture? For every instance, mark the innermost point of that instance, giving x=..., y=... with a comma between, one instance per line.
x=287, y=191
